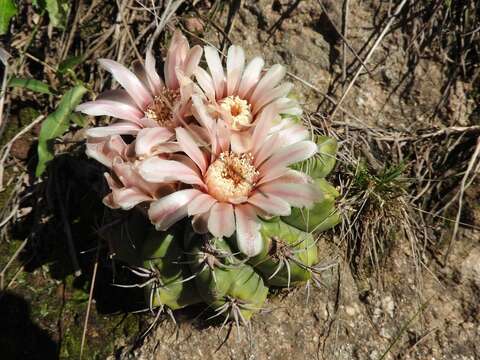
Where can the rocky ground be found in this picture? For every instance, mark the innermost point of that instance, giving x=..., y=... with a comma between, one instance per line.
x=416, y=307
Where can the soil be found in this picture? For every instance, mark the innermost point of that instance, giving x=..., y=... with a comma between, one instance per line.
x=408, y=311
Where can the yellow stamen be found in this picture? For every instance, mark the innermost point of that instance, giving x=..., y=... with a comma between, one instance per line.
x=162, y=108
x=240, y=111
x=231, y=176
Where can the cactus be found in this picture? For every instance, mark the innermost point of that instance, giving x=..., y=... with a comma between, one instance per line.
x=171, y=284
x=322, y=216
x=323, y=163
x=230, y=287
x=287, y=255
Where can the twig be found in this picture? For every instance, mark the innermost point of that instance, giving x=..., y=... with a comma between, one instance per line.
x=463, y=187
x=370, y=53
x=12, y=259
x=4, y=56
x=90, y=297
x=344, y=37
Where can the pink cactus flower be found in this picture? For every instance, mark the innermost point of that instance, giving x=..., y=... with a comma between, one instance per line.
x=239, y=96
x=146, y=101
x=128, y=188
x=228, y=190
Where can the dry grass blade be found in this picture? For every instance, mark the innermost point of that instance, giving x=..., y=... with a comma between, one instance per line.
x=90, y=299
x=4, y=56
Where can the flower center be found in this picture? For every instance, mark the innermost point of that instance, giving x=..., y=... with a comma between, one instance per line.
x=162, y=108
x=239, y=109
x=231, y=176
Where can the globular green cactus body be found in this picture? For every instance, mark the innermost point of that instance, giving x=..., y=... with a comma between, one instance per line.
x=223, y=280
x=286, y=256
x=171, y=288
x=209, y=261
x=322, y=216
x=246, y=294
x=323, y=162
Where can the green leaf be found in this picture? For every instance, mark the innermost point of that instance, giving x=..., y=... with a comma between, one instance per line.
x=7, y=11
x=56, y=124
x=79, y=119
x=30, y=84
x=57, y=12
x=69, y=64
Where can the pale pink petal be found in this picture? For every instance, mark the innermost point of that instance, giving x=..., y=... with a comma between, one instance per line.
x=206, y=83
x=192, y=60
x=111, y=108
x=241, y=142
x=161, y=170
x=269, y=96
x=269, y=147
x=95, y=151
x=297, y=195
x=118, y=128
x=166, y=211
x=104, y=150
x=176, y=54
x=288, y=106
x=235, y=65
x=202, y=203
x=118, y=95
x=250, y=77
x=270, y=203
x=289, y=155
x=216, y=70
x=129, y=82
x=294, y=177
x=190, y=147
x=221, y=221
x=201, y=114
x=128, y=198
x=268, y=81
x=263, y=125
x=148, y=138
x=293, y=134
x=249, y=240
x=155, y=81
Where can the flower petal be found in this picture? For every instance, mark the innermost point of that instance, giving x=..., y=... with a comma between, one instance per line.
x=128, y=198
x=192, y=60
x=148, y=138
x=221, y=221
x=206, y=83
x=268, y=81
x=129, y=82
x=155, y=81
x=166, y=211
x=249, y=240
x=110, y=108
x=263, y=125
x=118, y=128
x=297, y=195
x=241, y=142
x=216, y=70
x=159, y=170
x=176, y=55
x=200, y=223
x=269, y=96
x=235, y=65
x=289, y=155
x=190, y=147
x=201, y=204
x=250, y=76
x=270, y=203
